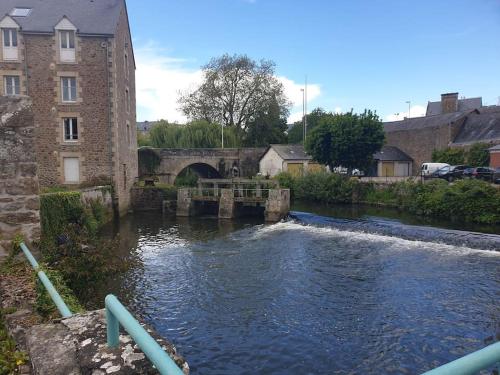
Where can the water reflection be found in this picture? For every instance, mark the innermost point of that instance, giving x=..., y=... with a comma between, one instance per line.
x=246, y=298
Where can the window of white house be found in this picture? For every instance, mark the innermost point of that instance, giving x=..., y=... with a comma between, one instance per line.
x=127, y=98
x=68, y=89
x=67, y=45
x=71, y=170
x=70, y=129
x=12, y=85
x=9, y=37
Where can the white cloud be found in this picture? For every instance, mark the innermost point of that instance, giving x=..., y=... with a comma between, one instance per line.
x=160, y=78
x=415, y=111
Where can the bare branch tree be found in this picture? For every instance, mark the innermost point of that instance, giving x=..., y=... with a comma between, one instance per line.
x=235, y=88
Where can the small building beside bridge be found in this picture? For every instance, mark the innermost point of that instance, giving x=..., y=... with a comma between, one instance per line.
x=287, y=158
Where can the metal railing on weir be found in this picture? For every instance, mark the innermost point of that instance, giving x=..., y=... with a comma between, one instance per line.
x=116, y=315
x=237, y=192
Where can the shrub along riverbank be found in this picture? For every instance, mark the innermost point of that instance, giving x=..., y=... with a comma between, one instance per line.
x=465, y=200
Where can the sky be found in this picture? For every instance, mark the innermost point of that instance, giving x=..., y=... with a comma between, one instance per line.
x=356, y=54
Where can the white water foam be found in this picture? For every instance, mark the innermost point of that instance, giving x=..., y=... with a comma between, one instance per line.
x=397, y=242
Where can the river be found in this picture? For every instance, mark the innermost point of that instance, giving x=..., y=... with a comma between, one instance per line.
x=299, y=297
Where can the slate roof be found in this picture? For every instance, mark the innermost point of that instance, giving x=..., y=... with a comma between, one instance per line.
x=423, y=122
x=391, y=153
x=480, y=127
x=93, y=17
x=434, y=108
x=291, y=152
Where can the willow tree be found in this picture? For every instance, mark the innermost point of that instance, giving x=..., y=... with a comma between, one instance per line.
x=234, y=89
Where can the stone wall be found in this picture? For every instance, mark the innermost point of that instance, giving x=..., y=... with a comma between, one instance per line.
x=148, y=198
x=19, y=204
x=420, y=143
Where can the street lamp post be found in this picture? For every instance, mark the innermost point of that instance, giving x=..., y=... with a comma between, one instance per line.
x=303, y=117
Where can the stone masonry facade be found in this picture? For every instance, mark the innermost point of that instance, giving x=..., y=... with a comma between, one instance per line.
x=103, y=69
x=19, y=203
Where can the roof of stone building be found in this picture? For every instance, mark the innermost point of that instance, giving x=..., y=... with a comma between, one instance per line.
x=94, y=17
x=291, y=152
x=435, y=108
x=391, y=153
x=495, y=148
x=480, y=126
x=423, y=122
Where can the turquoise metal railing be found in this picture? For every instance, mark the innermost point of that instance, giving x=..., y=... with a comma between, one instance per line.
x=471, y=363
x=56, y=298
x=117, y=314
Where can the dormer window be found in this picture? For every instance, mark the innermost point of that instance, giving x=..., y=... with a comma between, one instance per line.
x=9, y=43
x=67, y=45
x=66, y=40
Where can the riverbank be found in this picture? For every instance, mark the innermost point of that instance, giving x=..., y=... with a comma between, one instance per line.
x=467, y=201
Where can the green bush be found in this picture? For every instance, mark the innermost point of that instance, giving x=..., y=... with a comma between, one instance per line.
x=465, y=200
x=452, y=156
x=10, y=357
x=479, y=155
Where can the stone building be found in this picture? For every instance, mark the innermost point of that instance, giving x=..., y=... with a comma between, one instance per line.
x=19, y=205
x=74, y=58
x=287, y=158
x=449, y=126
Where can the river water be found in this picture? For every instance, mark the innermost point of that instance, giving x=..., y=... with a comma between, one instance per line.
x=245, y=297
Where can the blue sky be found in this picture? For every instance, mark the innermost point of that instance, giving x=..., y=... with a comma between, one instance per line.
x=356, y=54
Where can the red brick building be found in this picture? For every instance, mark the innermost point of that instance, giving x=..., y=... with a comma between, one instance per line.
x=75, y=59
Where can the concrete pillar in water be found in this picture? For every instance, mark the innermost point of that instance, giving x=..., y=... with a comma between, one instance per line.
x=226, y=204
x=184, y=203
x=277, y=204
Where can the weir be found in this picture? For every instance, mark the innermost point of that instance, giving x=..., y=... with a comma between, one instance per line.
x=231, y=198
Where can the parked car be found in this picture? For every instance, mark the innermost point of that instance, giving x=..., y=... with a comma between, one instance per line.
x=482, y=173
x=451, y=172
x=496, y=176
x=429, y=168
x=468, y=172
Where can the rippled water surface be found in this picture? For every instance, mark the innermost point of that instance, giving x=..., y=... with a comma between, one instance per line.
x=286, y=298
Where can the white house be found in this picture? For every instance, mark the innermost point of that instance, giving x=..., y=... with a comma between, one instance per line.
x=286, y=158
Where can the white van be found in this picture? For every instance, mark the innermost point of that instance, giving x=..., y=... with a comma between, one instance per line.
x=429, y=168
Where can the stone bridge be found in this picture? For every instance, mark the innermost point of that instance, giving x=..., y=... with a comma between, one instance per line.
x=168, y=163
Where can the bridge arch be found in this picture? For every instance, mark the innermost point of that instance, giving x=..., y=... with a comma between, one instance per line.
x=203, y=170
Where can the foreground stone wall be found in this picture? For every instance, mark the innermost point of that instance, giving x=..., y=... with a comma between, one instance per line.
x=19, y=203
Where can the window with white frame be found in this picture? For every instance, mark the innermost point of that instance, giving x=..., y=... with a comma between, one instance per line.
x=67, y=45
x=9, y=43
x=70, y=125
x=12, y=85
x=71, y=167
x=68, y=89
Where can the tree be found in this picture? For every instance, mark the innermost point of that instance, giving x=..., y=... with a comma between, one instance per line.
x=452, y=156
x=196, y=134
x=234, y=89
x=479, y=155
x=348, y=140
x=267, y=127
x=296, y=132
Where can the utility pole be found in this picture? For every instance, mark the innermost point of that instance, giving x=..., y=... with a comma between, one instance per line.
x=303, y=117
x=222, y=127
x=409, y=103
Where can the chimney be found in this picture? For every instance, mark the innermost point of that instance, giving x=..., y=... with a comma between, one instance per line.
x=449, y=102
